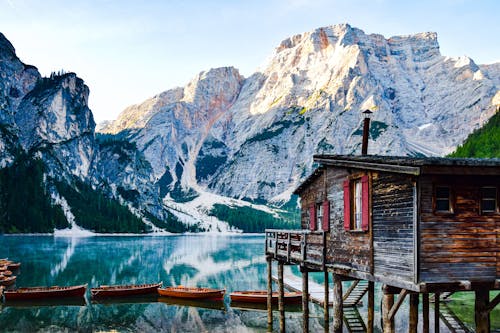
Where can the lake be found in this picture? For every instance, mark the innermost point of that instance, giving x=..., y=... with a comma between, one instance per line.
x=234, y=262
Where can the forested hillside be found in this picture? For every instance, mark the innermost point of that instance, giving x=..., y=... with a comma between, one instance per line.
x=25, y=204
x=482, y=143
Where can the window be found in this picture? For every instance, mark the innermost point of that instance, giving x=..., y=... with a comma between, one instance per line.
x=356, y=204
x=319, y=216
x=443, y=199
x=488, y=199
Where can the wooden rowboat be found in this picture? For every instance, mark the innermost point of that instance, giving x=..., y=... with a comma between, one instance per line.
x=7, y=280
x=192, y=293
x=13, y=266
x=124, y=290
x=6, y=273
x=260, y=296
x=45, y=292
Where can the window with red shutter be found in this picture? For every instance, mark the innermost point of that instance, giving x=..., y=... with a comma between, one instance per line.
x=326, y=215
x=347, y=205
x=312, y=217
x=365, y=203
x=357, y=204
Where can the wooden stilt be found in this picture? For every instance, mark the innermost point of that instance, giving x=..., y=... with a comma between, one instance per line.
x=269, y=294
x=437, y=299
x=281, y=297
x=413, y=322
x=371, y=306
x=482, y=314
x=387, y=304
x=425, y=312
x=338, y=312
x=326, y=301
x=305, y=299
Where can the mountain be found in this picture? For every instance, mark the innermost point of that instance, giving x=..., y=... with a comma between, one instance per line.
x=253, y=138
x=226, y=151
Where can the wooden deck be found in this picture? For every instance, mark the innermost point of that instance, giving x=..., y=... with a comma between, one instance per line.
x=351, y=298
x=316, y=291
x=302, y=247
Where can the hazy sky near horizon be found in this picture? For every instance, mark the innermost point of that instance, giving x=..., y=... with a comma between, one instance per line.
x=128, y=51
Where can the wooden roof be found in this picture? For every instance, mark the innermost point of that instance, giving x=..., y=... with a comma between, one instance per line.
x=407, y=165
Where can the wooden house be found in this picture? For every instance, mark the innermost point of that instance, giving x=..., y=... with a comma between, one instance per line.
x=416, y=225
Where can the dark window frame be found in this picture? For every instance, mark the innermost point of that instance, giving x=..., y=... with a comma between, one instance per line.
x=449, y=198
x=319, y=217
x=491, y=198
x=353, y=183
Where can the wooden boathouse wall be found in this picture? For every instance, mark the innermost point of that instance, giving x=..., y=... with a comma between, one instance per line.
x=345, y=248
x=387, y=248
x=393, y=222
x=407, y=241
x=462, y=245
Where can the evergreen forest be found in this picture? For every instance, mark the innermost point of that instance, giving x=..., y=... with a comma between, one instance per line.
x=483, y=142
x=253, y=220
x=25, y=204
x=95, y=211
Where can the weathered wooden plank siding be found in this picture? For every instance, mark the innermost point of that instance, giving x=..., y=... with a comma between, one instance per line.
x=347, y=248
x=497, y=246
x=315, y=193
x=463, y=245
x=392, y=223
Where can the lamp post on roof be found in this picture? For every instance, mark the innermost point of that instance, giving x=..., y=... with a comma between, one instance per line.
x=366, y=129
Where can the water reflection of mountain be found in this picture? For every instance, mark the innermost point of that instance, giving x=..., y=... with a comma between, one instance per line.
x=235, y=262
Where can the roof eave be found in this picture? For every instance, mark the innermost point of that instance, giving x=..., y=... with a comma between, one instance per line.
x=369, y=166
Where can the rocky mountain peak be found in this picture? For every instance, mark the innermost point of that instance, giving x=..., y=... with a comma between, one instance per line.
x=223, y=83
x=7, y=50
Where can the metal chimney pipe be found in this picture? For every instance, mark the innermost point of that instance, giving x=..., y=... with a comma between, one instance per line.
x=366, y=131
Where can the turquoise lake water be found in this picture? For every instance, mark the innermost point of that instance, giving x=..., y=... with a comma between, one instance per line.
x=231, y=262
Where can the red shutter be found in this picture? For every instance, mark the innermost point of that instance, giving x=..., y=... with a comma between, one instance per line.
x=312, y=217
x=326, y=215
x=365, y=203
x=347, y=205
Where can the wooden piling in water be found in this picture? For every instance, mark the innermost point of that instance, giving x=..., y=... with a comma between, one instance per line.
x=281, y=297
x=326, y=302
x=437, y=297
x=482, y=314
x=305, y=299
x=338, y=311
x=387, y=304
x=269, y=293
x=425, y=313
x=371, y=306
x=413, y=322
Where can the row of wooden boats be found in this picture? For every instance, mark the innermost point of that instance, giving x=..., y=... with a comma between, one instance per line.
x=7, y=267
x=7, y=279
x=190, y=293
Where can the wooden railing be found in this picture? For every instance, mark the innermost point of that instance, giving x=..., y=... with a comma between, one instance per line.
x=297, y=246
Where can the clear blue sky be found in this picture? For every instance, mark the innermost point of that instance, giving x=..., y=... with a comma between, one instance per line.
x=127, y=51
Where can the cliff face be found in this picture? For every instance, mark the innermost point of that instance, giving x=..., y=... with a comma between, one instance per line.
x=48, y=120
x=45, y=116
x=256, y=140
